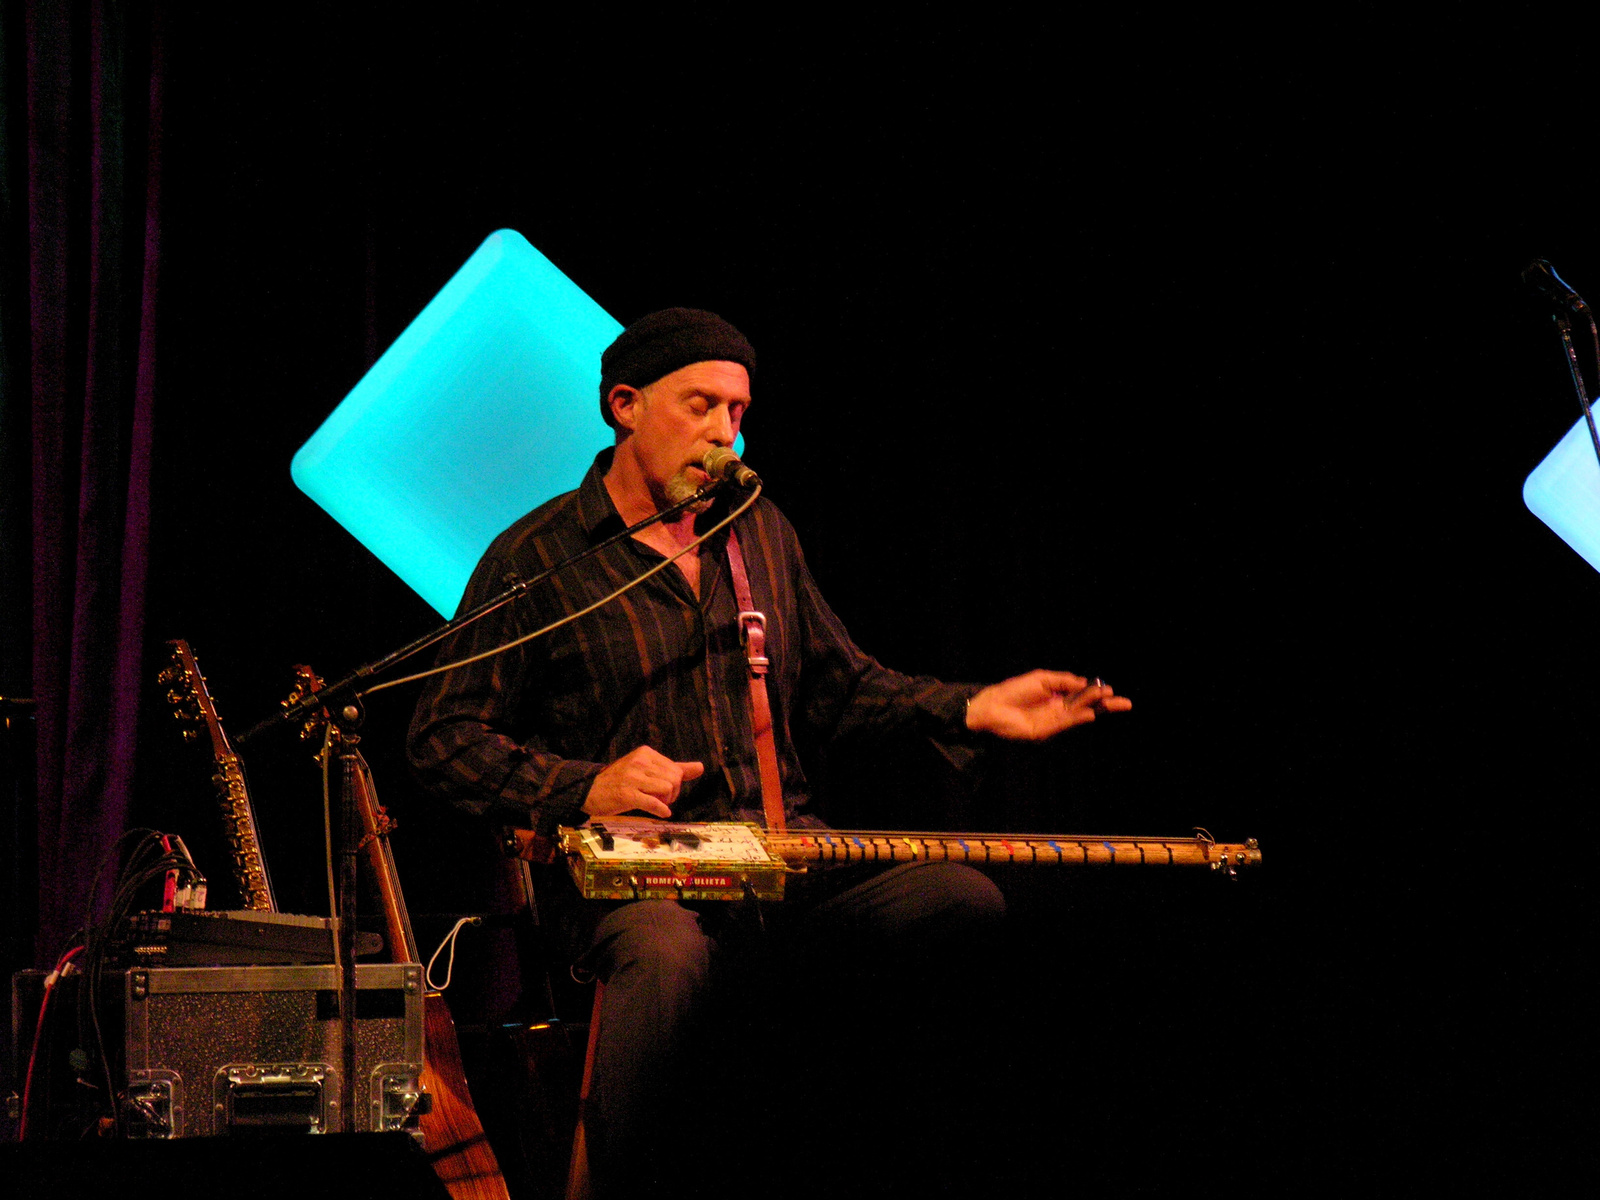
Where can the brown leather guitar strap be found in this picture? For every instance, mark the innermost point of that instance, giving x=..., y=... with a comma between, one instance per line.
x=753, y=636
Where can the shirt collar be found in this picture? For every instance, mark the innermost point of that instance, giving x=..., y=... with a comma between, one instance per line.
x=600, y=518
x=596, y=513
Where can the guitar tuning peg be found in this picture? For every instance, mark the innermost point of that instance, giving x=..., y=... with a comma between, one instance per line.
x=168, y=674
x=191, y=734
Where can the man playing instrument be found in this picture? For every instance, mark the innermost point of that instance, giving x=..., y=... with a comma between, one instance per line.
x=644, y=707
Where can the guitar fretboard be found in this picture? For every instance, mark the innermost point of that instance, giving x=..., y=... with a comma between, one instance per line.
x=193, y=706
x=835, y=846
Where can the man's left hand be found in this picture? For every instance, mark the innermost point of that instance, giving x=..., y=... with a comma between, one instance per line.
x=1040, y=704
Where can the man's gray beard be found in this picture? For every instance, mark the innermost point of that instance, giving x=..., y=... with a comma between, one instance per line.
x=680, y=487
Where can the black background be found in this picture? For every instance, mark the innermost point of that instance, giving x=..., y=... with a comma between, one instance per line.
x=1200, y=368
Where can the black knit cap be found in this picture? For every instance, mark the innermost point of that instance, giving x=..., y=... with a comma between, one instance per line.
x=664, y=341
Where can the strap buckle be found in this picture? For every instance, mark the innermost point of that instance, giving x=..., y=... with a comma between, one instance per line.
x=753, y=637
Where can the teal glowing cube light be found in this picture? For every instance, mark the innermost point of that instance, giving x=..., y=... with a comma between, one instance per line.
x=484, y=408
x=1563, y=491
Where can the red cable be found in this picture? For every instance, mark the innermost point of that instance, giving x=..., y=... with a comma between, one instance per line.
x=169, y=889
x=38, y=1030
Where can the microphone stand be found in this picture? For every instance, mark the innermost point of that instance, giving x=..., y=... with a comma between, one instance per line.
x=331, y=695
x=341, y=700
x=1565, y=327
x=1542, y=278
x=350, y=846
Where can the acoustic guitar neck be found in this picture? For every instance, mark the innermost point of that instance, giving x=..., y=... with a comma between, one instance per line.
x=195, y=710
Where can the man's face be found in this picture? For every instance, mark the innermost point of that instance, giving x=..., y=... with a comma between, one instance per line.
x=680, y=416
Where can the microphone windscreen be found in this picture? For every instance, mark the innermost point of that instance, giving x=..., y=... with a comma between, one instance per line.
x=722, y=463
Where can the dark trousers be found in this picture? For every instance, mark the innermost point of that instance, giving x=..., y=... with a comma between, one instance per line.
x=721, y=1029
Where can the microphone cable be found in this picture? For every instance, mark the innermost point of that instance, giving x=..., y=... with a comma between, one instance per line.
x=569, y=618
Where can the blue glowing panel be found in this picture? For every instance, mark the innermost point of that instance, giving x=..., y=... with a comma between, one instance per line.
x=484, y=408
x=1564, y=492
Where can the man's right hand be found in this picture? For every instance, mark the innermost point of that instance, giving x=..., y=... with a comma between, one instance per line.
x=644, y=780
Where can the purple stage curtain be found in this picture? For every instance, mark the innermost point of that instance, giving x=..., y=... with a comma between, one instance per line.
x=93, y=86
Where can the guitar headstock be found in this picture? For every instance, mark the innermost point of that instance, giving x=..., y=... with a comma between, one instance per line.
x=194, y=709
x=192, y=705
x=307, y=683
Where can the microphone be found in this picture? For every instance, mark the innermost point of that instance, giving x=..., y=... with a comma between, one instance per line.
x=721, y=463
x=1542, y=278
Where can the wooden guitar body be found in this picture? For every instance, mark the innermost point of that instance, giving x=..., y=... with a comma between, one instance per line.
x=452, y=1134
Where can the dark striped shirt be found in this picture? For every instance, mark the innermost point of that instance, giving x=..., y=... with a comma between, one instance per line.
x=521, y=736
